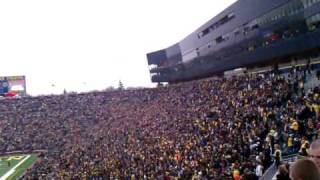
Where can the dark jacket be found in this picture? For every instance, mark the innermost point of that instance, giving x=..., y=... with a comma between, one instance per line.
x=283, y=177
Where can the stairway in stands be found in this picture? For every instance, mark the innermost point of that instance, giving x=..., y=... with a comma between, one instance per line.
x=272, y=172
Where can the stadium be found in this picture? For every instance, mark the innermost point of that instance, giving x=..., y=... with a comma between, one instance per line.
x=273, y=33
x=237, y=99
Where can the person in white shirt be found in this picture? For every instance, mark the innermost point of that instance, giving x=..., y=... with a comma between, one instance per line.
x=259, y=170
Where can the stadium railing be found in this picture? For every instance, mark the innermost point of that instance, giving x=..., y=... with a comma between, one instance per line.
x=272, y=170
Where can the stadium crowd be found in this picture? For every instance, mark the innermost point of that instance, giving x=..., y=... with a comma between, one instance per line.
x=215, y=128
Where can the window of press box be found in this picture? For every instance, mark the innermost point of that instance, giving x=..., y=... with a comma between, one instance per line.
x=313, y=22
x=219, y=39
x=215, y=25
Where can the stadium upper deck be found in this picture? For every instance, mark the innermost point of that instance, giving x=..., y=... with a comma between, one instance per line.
x=248, y=33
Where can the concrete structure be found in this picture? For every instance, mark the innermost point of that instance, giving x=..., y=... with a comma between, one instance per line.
x=248, y=34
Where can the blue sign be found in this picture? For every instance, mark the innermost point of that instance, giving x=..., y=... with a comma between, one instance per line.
x=4, y=87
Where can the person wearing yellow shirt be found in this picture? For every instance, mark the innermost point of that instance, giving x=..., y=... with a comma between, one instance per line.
x=236, y=174
x=316, y=108
x=290, y=144
x=294, y=126
x=304, y=148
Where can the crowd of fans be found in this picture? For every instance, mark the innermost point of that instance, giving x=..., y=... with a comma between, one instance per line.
x=210, y=129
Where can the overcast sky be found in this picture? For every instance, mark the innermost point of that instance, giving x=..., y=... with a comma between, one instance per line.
x=84, y=45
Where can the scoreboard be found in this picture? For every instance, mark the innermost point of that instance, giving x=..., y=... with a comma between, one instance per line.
x=13, y=84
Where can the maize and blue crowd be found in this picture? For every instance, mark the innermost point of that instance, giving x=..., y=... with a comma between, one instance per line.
x=217, y=128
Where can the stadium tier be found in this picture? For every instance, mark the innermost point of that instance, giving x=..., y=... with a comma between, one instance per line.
x=263, y=113
x=208, y=129
x=247, y=34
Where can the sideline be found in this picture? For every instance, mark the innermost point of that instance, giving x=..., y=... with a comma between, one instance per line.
x=11, y=171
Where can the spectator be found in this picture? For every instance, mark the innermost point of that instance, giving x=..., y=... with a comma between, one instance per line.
x=304, y=169
x=304, y=149
x=283, y=173
x=207, y=129
x=277, y=154
x=259, y=170
x=315, y=152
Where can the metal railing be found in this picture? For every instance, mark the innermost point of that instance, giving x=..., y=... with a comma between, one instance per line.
x=270, y=172
x=273, y=169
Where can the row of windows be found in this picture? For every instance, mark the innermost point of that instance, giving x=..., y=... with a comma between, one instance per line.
x=214, y=26
x=286, y=10
x=307, y=3
x=263, y=42
x=245, y=29
x=313, y=21
x=289, y=9
x=274, y=37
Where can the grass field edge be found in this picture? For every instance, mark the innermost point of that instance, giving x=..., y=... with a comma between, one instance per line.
x=22, y=169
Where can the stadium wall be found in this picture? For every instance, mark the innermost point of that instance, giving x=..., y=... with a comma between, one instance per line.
x=233, y=39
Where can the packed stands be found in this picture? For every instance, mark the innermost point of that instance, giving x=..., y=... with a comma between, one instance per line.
x=210, y=129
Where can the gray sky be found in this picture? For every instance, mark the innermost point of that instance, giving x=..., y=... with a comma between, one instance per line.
x=84, y=45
